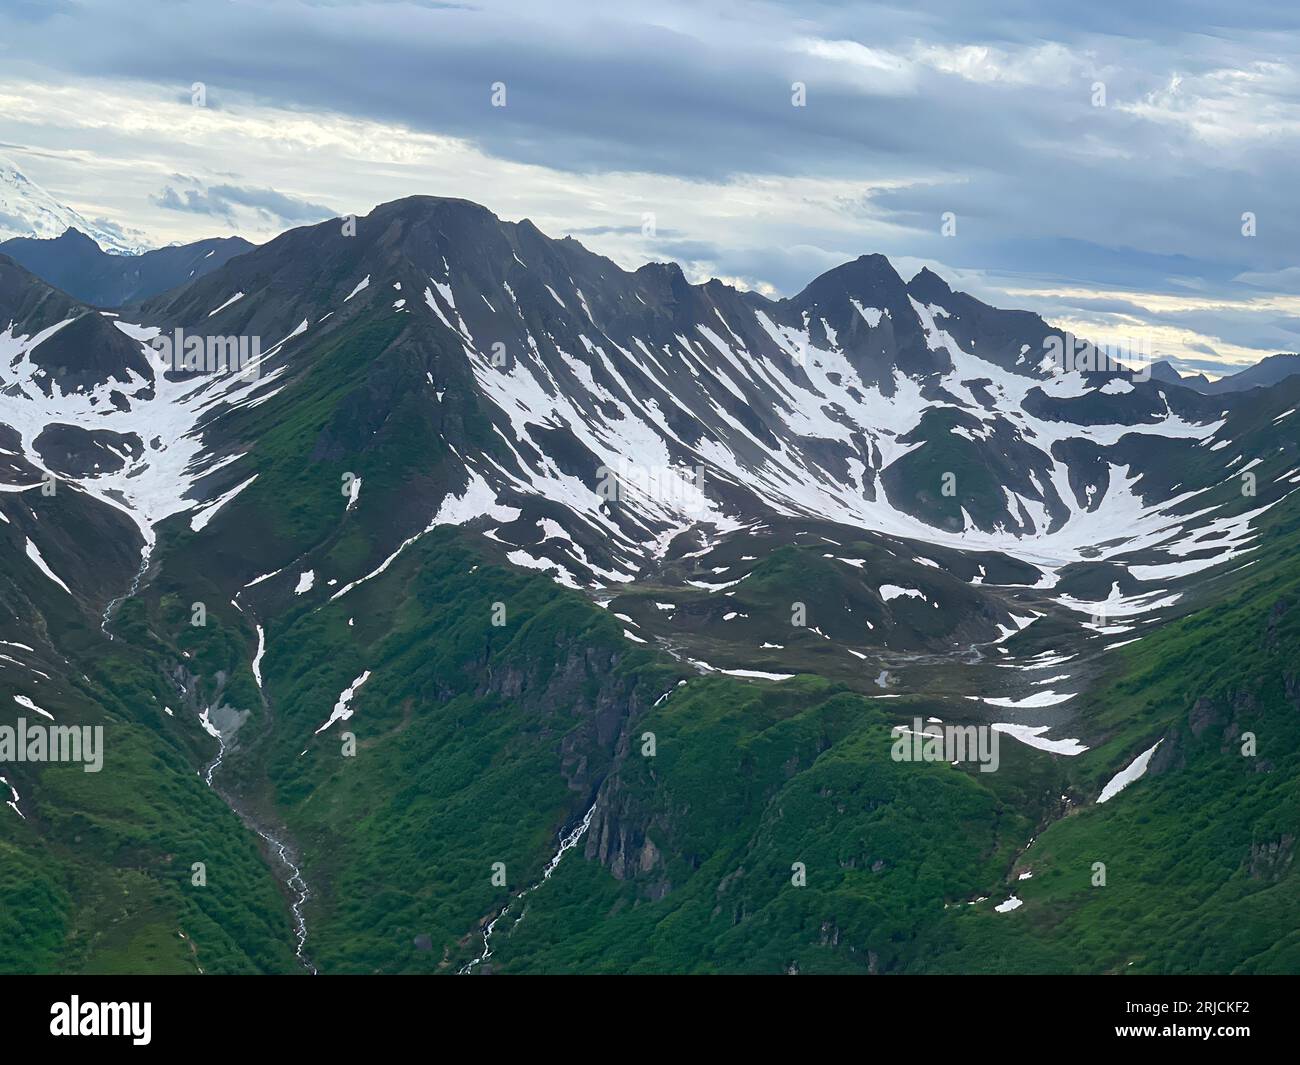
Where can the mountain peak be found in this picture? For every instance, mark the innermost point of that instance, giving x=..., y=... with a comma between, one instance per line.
x=75, y=263
x=29, y=302
x=863, y=275
x=1270, y=370
x=669, y=270
x=928, y=287
x=421, y=205
x=73, y=235
x=1164, y=370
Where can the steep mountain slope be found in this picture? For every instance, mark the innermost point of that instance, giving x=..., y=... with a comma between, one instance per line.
x=98, y=863
x=569, y=406
x=483, y=511
x=27, y=210
x=74, y=263
x=796, y=409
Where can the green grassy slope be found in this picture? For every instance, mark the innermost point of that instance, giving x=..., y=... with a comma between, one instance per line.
x=98, y=877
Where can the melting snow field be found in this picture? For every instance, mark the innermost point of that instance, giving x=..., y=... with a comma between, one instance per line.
x=815, y=391
x=1032, y=736
x=33, y=552
x=1047, y=698
x=257, y=658
x=756, y=674
x=1126, y=776
x=12, y=801
x=342, y=710
x=27, y=704
x=162, y=414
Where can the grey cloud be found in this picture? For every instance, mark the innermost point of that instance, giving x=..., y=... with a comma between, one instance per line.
x=1215, y=367
x=1043, y=183
x=1284, y=280
x=622, y=94
x=222, y=201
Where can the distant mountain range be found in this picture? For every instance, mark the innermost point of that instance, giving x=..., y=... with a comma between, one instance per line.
x=77, y=265
x=92, y=262
x=1268, y=371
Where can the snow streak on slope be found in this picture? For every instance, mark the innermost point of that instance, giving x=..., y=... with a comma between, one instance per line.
x=1128, y=774
x=833, y=435
x=342, y=708
x=34, y=553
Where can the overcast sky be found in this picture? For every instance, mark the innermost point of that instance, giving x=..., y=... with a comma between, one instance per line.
x=1098, y=158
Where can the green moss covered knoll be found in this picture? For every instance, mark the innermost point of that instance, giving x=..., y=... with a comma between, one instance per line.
x=915, y=481
x=107, y=888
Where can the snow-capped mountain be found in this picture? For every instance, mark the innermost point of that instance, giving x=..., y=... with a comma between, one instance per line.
x=622, y=430
x=27, y=210
x=846, y=403
x=494, y=501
